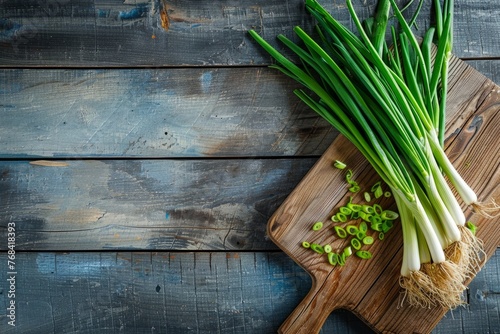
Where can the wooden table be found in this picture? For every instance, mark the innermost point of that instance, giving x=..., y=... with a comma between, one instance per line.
x=143, y=148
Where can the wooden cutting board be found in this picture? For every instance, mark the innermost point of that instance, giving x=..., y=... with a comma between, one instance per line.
x=370, y=289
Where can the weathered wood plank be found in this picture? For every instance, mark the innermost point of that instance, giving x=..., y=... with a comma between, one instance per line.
x=207, y=292
x=145, y=204
x=161, y=113
x=155, y=113
x=161, y=32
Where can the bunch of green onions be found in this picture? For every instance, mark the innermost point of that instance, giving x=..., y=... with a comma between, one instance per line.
x=390, y=103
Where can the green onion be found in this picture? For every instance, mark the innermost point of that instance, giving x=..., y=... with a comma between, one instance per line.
x=355, y=188
x=360, y=235
x=317, y=226
x=347, y=251
x=389, y=215
x=341, y=259
x=377, y=209
x=351, y=229
x=363, y=227
x=376, y=227
x=354, y=207
x=333, y=258
x=390, y=103
x=368, y=209
x=341, y=217
x=355, y=243
x=345, y=210
x=306, y=244
x=368, y=240
x=472, y=227
x=367, y=196
x=327, y=248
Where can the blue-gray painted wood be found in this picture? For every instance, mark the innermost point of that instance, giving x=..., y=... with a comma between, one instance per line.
x=209, y=292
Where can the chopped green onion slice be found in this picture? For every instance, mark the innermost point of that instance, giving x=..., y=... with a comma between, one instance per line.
x=368, y=198
x=341, y=217
x=355, y=215
x=341, y=233
x=376, y=227
x=389, y=215
x=354, y=207
x=317, y=226
x=335, y=219
x=351, y=229
x=348, y=176
x=375, y=186
x=368, y=209
x=317, y=248
x=381, y=236
x=387, y=194
x=364, y=254
x=306, y=244
x=363, y=215
x=377, y=209
x=347, y=251
x=363, y=227
x=327, y=248
x=368, y=240
x=341, y=259
x=378, y=192
x=376, y=220
x=339, y=164
x=386, y=226
x=472, y=227
x=355, y=243
x=345, y=210
x=388, y=223
x=355, y=188
x=333, y=258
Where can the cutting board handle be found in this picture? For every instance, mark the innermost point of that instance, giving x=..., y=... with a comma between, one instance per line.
x=311, y=313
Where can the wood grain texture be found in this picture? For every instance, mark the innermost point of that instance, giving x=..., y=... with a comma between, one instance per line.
x=155, y=113
x=161, y=113
x=473, y=124
x=162, y=32
x=193, y=144
x=145, y=204
x=183, y=292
